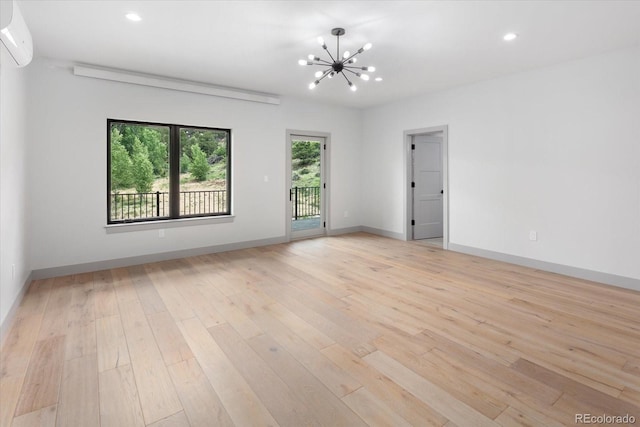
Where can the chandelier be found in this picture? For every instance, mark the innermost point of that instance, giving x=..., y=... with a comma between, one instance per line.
x=341, y=64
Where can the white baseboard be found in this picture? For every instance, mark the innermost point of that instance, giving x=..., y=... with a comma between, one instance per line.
x=383, y=233
x=144, y=259
x=346, y=230
x=581, y=273
x=8, y=320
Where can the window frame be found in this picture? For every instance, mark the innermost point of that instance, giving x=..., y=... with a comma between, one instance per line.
x=174, y=155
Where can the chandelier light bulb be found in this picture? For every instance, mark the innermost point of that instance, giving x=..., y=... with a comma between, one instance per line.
x=313, y=58
x=369, y=69
x=378, y=79
x=346, y=54
x=314, y=84
x=364, y=77
x=303, y=62
x=510, y=36
x=319, y=74
x=353, y=87
x=367, y=46
x=331, y=74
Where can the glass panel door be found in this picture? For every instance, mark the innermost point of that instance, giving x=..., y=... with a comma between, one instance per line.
x=307, y=185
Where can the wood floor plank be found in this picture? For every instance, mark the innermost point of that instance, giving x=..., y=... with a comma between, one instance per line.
x=172, y=345
x=373, y=411
x=105, y=302
x=242, y=404
x=79, y=385
x=461, y=384
x=301, y=328
x=200, y=402
x=388, y=315
x=630, y=395
x=81, y=329
x=119, y=403
x=511, y=381
x=19, y=343
x=212, y=267
x=54, y=321
x=111, y=344
x=328, y=408
x=383, y=388
x=591, y=397
x=230, y=312
x=35, y=299
x=158, y=398
x=571, y=406
x=45, y=417
x=281, y=402
x=337, y=380
x=157, y=394
x=440, y=400
x=632, y=366
x=42, y=381
x=512, y=417
x=329, y=308
x=578, y=365
x=144, y=286
x=175, y=420
x=202, y=307
x=10, y=387
x=356, y=343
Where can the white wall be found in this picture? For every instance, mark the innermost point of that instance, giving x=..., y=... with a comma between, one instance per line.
x=68, y=167
x=556, y=150
x=14, y=241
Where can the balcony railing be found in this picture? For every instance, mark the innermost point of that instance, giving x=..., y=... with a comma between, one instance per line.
x=132, y=206
x=305, y=202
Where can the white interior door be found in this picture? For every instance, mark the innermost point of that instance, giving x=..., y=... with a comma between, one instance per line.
x=428, y=190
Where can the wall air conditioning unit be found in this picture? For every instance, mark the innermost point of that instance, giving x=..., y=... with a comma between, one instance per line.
x=14, y=33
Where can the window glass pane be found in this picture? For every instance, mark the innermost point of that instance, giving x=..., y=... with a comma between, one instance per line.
x=204, y=169
x=139, y=169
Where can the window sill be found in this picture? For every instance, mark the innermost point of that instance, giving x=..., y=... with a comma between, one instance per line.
x=169, y=223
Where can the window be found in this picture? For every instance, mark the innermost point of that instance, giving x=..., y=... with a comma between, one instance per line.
x=161, y=171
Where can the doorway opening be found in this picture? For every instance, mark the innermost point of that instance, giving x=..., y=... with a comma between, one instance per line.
x=306, y=184
x=427, y=186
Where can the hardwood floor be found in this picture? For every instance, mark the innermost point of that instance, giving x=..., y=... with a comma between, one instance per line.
x=342, y=331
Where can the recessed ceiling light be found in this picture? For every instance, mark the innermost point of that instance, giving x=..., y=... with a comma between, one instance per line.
x=510, y=36
x=378, y=79
x=132, y=16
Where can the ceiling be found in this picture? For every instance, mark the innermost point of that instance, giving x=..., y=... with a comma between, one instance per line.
x=418, y=46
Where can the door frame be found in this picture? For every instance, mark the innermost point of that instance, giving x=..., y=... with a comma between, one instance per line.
x=407, y=136
x=324, y=189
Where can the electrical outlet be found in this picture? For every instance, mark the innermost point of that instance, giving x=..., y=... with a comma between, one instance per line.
x=161, y=233
x=533, y=235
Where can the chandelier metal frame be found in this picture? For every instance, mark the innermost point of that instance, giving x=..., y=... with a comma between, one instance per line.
x=341, y=64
